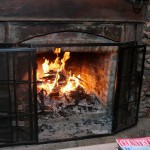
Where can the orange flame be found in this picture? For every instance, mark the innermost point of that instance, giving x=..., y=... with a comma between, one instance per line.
x=55, y=83
x=57, y=66
x=57, y=51
x=45, y=66
x=72, y=83
x=64, y=59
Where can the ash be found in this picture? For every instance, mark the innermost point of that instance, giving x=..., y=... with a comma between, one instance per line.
x=71, y=115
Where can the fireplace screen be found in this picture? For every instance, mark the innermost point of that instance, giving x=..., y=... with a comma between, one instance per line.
x=71, y=91
x=17, y=94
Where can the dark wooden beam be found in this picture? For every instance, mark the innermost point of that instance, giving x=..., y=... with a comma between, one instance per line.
x=47, y=10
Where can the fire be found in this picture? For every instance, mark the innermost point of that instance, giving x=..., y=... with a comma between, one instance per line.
x=45, y=66
x=55, y=65
x=57, y=51
x=72, y=84
x=65, y=58
x=52, y=72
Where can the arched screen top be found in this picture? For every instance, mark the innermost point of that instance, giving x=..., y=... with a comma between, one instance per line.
x=68, y=37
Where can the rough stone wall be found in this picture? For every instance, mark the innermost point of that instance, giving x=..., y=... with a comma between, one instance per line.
x=144, y=110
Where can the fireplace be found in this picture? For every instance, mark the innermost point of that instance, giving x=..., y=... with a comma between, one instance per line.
x=69, y=70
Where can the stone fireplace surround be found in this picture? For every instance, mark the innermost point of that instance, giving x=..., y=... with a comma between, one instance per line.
x=56, y=22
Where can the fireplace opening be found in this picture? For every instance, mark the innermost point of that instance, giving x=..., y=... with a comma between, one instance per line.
x=85, y=90
x=73, y=90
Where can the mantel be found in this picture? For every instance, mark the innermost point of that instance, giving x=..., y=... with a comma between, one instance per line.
x=87, y=10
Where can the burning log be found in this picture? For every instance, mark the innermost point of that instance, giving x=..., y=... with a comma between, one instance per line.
x=51, y=76
x=40, y=99
x=54, y=93
x=48, y=78
x=51, y=72
x=78, y=94
x=62, y=76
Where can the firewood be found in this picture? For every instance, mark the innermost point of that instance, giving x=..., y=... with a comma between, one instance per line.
x=54, y=93
x=49, y=77
x=61, y=83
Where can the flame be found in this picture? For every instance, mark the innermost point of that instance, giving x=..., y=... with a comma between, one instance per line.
x=64, y=59
x=58, y=65
x=50, y=86
x=55, y=65
x=72, y=83
x=37, y=75
x=57, y=51
x=56, y=79
x=45, y=66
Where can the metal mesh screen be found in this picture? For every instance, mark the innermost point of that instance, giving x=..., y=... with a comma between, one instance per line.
x=130, y=71
x=17, y=95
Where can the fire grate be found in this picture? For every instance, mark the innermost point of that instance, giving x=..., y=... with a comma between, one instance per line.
x=19, y=106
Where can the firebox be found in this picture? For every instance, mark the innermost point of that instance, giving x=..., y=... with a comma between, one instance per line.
x=58, y=92
x=73, y=91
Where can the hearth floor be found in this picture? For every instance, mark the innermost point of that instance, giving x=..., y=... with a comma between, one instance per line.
x=74, y=126
x=142, y=129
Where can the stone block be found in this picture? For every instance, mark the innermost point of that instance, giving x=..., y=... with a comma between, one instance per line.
x=146, y=41
x=147, y=66
x=147, y=93
x=113, y=32
x=147, y=55
x=148, y=14
x=148, y=61
x=142, y=98
x=147, y=49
